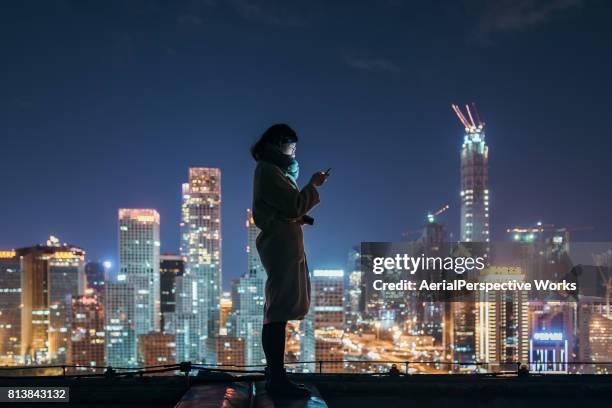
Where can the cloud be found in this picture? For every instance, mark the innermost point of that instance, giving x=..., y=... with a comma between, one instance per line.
x=504, y=16
x=372, y=64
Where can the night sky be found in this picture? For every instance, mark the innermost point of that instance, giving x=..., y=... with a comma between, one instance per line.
x=106, y=104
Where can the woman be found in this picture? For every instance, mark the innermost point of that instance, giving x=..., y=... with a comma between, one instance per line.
x=279, y=210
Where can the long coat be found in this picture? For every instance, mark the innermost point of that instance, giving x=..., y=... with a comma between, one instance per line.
x=278, y=208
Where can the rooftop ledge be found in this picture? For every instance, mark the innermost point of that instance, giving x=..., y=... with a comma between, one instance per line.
x=333, y=390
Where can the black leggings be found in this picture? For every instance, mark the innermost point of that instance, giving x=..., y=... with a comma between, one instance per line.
x=273, y=342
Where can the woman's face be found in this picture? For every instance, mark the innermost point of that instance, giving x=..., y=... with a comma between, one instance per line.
x=289, y=149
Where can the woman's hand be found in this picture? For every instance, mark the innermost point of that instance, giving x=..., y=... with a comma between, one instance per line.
x=318, y=178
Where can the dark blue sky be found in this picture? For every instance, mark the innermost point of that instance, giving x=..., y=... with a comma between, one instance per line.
x=106, y=104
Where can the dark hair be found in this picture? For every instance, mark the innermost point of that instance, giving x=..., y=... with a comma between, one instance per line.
x=275, y=135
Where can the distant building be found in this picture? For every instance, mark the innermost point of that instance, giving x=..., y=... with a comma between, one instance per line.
x=88, y=343
x=474, y=180
x=171, y=267
x=95, y=272
x=328, y=316
x=231, y=350
x=553, y=330
x=548, y=352
x=201, y=245
x=156, y=349
x=119, y=325
x=248, y=297
x=10, y=308
x=354, y=292
x=226, y=309
x=502, y=322
x=139, y=264
x=595, y=336
x=52, y=275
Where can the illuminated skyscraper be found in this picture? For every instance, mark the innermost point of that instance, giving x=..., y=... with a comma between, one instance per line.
x=474, y=179
x=249, y=297
x=52, y=275
x=139, y=264
x=119, y=325
x=502, y=321
x=328, y=316
x=87, y=346
x=10, y=308
x=201, y=246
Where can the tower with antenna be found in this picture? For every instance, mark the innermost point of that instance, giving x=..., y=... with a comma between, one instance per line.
x=474, y=177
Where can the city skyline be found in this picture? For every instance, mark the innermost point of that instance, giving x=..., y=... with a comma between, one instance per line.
x=119, y=109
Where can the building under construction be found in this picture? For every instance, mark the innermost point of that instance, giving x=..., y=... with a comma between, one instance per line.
x=474, y=177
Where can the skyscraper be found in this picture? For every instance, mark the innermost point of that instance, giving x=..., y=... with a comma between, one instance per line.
x=52, y=275
x=87, y=346
x=139, y=264
x=171, y=267
x=201, y=245
x=250, y=298
x=474, y=179
x=119, y=325
x=502, y=321
x=10, y=308
x=328, y=316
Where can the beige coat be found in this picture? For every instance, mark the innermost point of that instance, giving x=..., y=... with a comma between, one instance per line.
x=278, y=207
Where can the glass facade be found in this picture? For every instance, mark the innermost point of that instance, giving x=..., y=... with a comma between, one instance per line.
x=139, y=264
x=200, y=287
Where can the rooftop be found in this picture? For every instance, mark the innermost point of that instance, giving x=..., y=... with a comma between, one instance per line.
x=218, y=389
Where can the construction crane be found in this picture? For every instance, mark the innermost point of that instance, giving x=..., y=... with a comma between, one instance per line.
x=468, y=122
x=431, y=216
x=606, y=282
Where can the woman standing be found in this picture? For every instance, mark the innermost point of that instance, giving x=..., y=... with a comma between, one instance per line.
x=280, y=209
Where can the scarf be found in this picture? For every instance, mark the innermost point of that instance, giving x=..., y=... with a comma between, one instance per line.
x=286, y=163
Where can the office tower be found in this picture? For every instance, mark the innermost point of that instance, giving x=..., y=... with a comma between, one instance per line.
x=595, y=336
x=157, y=348
x=95, y=273
x=354, y=293
x=10, y=308
x=119, y=325
x=52, y=275
x=201, y=245
x=436, y=312
x=553, y=335
x=474, y=178
x=328, y=316
x=248, y=297
x=307, y=344
x=502, y=321
x=548, y=352
x=139, y=264
x=171, y=267
x=231, y=351
x=248, y=300
x=87, y=346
